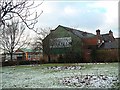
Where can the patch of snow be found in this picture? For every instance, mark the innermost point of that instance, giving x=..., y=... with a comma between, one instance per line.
x=64, y=68
x=94, y=81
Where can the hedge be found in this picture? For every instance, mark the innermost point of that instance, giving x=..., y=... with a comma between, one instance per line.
x=107, y=55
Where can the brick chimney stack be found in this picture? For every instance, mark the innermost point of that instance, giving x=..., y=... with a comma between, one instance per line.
x=98, y=32
x=111, y=36
x=110, y=33
x=98, y=36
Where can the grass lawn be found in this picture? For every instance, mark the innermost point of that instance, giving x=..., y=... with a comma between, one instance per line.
x=39, y=76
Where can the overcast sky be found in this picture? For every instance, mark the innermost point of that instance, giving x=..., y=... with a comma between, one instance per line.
x=83, y=15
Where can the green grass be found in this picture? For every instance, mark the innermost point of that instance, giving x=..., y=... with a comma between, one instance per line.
x=43, y=77
x=58, y=64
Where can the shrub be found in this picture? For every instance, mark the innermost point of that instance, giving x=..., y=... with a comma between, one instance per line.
x=110, y=55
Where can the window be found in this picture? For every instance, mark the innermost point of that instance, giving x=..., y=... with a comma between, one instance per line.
x=29, y=56
x=98, y=40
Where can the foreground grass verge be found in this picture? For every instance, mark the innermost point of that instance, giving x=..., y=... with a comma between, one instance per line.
x=37, y=76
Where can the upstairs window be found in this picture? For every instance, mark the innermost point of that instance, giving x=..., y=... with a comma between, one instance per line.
x=98, y=40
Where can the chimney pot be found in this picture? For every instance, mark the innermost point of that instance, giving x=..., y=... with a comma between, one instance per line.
x=98, y=32
x=110, y=33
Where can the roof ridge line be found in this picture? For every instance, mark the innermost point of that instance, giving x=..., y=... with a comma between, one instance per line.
x=75, y=29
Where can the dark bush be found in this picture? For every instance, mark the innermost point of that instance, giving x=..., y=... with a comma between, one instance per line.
x=69, y=58
x=23, y=62
x=9, y=63
x=110, y=55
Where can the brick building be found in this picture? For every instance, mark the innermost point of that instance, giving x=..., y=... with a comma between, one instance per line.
x=28, y=54
x=74, y=45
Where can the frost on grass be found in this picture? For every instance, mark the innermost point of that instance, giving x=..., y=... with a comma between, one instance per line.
x=90, y=81
x=64, y=68
x=60, y=76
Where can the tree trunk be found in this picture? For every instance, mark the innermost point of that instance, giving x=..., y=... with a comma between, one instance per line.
x=11, y=56
x=48, y=58
x=4, y=57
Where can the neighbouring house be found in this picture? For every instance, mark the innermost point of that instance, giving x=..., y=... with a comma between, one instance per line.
x=65, y=44
x=108, y=47
x=23, y=54
x=28, y=54
x=107, y=41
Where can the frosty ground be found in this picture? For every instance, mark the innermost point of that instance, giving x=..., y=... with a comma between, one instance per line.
x=77, y=75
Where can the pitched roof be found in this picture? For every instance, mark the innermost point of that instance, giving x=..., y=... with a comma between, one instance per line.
x=28, y=50
x=78, y=33
x=111, y=45
x=106, y=37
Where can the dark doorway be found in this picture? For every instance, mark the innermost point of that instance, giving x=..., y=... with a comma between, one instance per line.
x=19, y=58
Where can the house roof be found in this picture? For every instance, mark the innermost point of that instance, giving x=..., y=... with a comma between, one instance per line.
x=106, y=37
x=110, y=45
x=78, y=33
x=109, y=41
x=28, y=50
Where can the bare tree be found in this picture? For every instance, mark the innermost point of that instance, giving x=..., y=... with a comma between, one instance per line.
x=41, y=34
x=22, y=9
x=12, y=37
x=37, y=44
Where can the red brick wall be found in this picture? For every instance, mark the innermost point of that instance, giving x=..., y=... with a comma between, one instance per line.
x=86, y=55
x=90, y=41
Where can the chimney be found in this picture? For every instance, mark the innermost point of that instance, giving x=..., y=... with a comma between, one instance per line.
x=98, y=32
x=110, y=33
x=111, y=36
